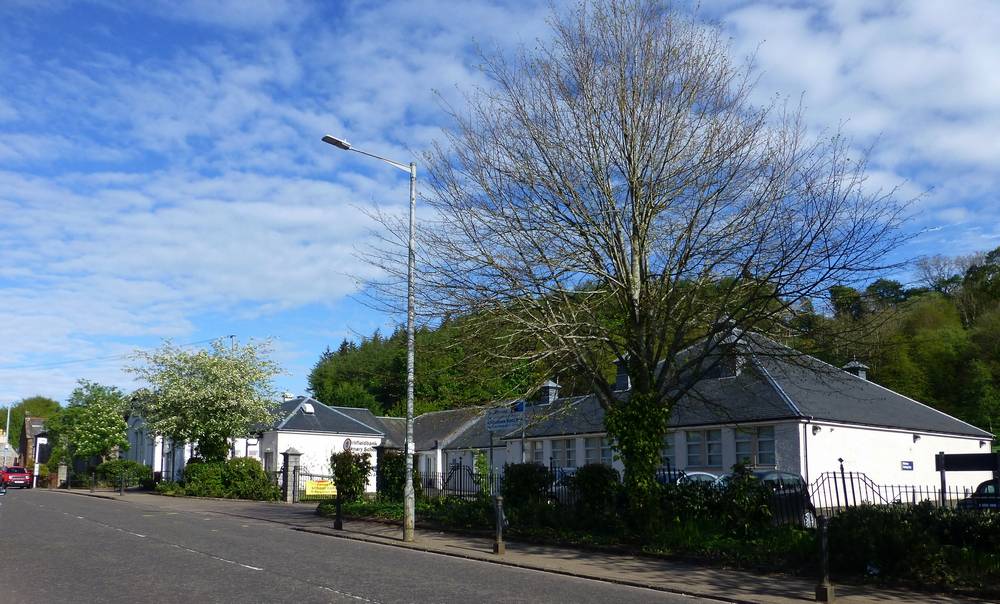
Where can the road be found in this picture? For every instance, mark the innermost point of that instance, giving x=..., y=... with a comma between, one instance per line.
x=60, y=547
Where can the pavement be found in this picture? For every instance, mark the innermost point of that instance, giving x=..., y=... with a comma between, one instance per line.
x=674, y=577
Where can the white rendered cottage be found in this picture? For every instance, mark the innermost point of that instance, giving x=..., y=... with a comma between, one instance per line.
x=775, y=409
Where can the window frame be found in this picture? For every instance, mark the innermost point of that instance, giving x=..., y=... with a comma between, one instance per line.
x=704, y=448
x=751, y=437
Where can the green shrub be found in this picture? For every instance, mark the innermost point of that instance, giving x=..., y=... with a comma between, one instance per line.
x=390, y=475
x=744, y=504
x=169, y=488
x=350, y=473
x=596, y=489
x=526, y=495
x=245, y=478
x=526, y=483
x=922, y=544
x=204, y=479
x=134, y=471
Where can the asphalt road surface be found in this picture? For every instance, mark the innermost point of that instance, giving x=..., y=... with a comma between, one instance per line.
x=57, y=547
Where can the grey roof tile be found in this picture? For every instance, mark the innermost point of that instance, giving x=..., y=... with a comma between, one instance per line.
x=778, y=384
x=395, y=431
x=438, y=428
x=323, y=419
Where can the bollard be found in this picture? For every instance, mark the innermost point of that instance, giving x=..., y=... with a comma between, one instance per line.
x=93, y=481
x=338, y=521
x=498, y=546
x=824, y=590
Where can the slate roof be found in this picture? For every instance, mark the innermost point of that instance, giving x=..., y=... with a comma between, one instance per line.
x=342, y=420
x=475, y=436
x=395, y=431
x=440, y=427
x=33, y=426
x=778, y=383
x=821, y=391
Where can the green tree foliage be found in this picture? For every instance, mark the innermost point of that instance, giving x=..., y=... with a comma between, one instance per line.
x=350, y=473
x=390, y=476
x=206, y=396
x=92, y=424
x=939, y=344
x=33, y=406
x=452, y=373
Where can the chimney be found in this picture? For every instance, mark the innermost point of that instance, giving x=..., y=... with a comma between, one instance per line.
x=287, y=396
x=622, y=381
x=548, y=393
x=857, y=368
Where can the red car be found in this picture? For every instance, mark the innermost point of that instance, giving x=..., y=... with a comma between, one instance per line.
x=15, y=476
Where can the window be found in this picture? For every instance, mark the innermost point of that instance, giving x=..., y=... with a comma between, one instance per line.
x=755, y=446
x=537, y=452
x=704, y=448
x=597, y=450
x=668, y=457
x=564, y=453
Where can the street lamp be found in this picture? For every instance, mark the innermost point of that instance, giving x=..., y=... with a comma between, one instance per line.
x=410, y=448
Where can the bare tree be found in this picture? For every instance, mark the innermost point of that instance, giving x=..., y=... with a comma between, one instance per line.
x=617, y=195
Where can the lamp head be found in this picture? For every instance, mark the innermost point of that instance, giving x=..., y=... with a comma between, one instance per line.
x=337, y=142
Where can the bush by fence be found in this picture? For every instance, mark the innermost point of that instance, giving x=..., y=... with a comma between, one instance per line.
x=237, y=478
x=350, y=473
x=133, y=471
x=922, y=545
x=390, y=476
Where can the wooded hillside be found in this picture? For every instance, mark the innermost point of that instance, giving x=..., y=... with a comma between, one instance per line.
x=937, y=340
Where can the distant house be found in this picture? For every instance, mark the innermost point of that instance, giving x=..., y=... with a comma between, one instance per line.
x=166, y=458
x=772, y=408
x=317, y=431
x=33, y=428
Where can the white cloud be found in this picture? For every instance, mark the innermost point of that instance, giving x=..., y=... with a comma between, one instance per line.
x=152, y=189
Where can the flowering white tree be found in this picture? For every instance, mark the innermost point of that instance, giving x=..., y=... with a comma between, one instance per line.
x=206, y=396
x=92, y=424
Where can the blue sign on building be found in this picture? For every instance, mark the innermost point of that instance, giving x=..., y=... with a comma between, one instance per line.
x=907, y=465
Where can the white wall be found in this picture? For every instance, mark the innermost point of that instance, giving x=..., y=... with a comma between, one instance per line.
x=317, y=448
x=879, y=453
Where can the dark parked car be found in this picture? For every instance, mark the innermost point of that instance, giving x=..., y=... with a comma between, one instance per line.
x=986, y=497
x=790, y=502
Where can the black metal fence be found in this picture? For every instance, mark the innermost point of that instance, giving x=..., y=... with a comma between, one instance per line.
x=833, y=492
x=461, y=481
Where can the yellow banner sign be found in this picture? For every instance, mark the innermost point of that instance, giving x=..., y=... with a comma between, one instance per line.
x=321, y=487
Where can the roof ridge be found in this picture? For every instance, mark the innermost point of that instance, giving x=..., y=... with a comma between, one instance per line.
x=453, y=435
x=290, y=415
x=777, y=387
x=357, y=421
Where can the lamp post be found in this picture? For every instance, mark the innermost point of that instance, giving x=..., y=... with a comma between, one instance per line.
x=6, y=437
x=410, y=449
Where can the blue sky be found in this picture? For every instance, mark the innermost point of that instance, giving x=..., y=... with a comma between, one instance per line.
x=162, y=175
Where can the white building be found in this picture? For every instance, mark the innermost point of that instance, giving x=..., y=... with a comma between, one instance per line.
x=774, y=409
x=318, y=431
x=312, y=428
